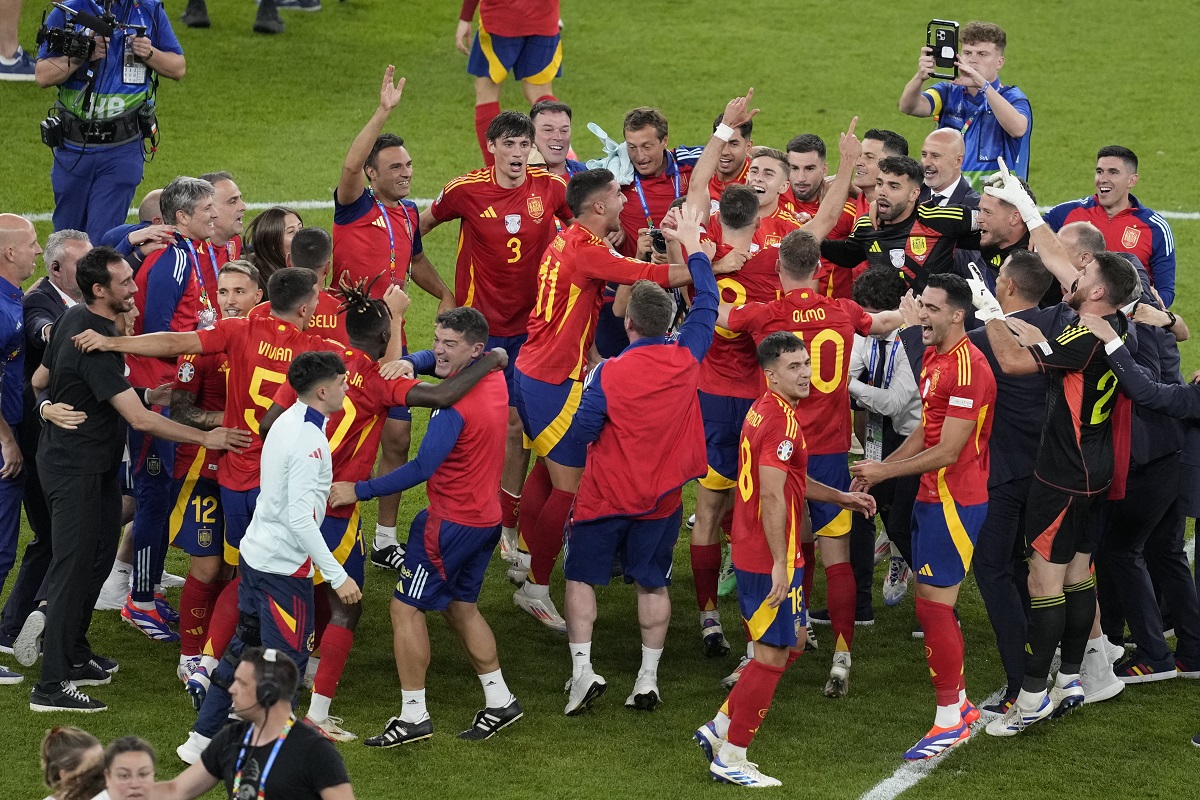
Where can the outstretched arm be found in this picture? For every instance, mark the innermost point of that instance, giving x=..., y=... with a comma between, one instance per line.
x=849, y=149
x=736, y=114
x=350, y=185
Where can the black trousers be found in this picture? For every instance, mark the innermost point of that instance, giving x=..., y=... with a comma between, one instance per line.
x=1144, y=537
x=894, y=501
x=1002, y=574
x=35, y=562
x=85, y=513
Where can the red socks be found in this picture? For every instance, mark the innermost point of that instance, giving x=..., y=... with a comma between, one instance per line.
x=484, y=114
x=335, y=651
x=750, y=700
x=533, y=497
x=195, y=610
x=224, y=620
x=548, y=535
x=706, y=569
x=545, y=97
x=943, y=649
x=810, y=567
x=509, y=506
x=840, y=599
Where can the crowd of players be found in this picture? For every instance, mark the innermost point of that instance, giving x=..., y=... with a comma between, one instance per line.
x=788, y=316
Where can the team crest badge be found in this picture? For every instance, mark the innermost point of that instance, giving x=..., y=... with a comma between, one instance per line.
x=535, y=208
x=204, y=537
x=311, y=643
x=153, y=465
x=1130, y=237
x=512, y=222
x=918, y=245
x=754, y=248
x=784, y=451
x=897, y=257
x=772, y=241
x=186, y=372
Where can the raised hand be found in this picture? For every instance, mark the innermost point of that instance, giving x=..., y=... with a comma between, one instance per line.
x=389, y=93
x=736, y=112
x=849, y=147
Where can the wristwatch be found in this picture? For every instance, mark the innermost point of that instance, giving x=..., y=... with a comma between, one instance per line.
x=1171, y=319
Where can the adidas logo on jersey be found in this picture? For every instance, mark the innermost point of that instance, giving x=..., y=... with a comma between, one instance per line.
x=379, y=222
x=315, y=454
x=926, y=571
x=489, y=213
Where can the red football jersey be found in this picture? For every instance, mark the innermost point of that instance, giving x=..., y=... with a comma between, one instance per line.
x=368, y=245
x=716, y=185
x=260, y=350
x=502, y=236
x=833, y=281
x=958, y=383
x=771, y=437
x=660, y=191
x=514, y=18
x=571, y=280
x=203, y=376
x=326, y=322
x=827, y=325
x=355, y=431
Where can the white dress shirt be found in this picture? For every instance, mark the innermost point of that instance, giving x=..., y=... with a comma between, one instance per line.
x=898, y=399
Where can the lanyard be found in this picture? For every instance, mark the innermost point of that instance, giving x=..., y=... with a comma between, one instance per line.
x=983, y=105
x=212, y=257
x=387, y=221
x=637, y=184
x=262, y=780
x=891, y=367
x=582, y=168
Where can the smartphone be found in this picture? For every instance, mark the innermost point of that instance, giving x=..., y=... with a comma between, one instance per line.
x=942, y=37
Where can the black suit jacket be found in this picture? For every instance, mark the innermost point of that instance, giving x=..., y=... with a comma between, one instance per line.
x=43, y=306
x=963, y=194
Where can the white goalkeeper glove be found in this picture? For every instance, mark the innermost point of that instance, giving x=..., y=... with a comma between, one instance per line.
x=1007, y=187
x=986, y=305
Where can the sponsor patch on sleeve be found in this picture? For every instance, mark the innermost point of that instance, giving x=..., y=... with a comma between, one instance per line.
x=962, y=402
x=1045, y=348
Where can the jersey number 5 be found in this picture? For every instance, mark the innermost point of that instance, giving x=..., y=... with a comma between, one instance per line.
x=261, y=399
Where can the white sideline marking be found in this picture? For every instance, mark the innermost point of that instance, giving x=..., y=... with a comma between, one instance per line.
x=422, y=202
x=910, y=773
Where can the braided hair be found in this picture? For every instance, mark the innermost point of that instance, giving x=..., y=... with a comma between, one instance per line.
x=366, y=318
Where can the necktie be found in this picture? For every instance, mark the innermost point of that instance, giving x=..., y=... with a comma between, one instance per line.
x=880, y=357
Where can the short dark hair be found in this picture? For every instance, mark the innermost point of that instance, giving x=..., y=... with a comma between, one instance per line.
x=807, y=143
x=382, y=142
x=467, y=321
x=1123, y=153
x=775, y=345
x=549, y=107
x=584, y=186
x=289, y=287
x=509, y=125
x=958, y=293
x=240, y=266
x=651, y=309
x=744, y=130
x=644, y=116
x=313, y=368
x=92, y=269
x=1028, y=274
x=893, y=143
x=976, y=32
x=904, y=166
x=1120, y=279
x=283, y=669
x=311, y=248
x=216, y=177
x=128, y=744
x=879, y=288
x=739, y=206
x=800, y=254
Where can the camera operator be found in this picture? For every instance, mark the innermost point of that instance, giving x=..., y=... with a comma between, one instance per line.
x=106, y=60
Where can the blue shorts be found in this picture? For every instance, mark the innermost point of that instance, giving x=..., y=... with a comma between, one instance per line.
x=723, y=418
x=547, y=413
x=284, y=607
x=343, y=537
x=512, y=345
x=196, y=525
x=537, y=59
x=125, y=475
x=833, y=470
x=238, y=508
x=646, y=547
x=444, y=561
x=943, y=540
x=779, y=626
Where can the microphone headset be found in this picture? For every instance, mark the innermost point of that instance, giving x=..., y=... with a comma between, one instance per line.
x=267, y=692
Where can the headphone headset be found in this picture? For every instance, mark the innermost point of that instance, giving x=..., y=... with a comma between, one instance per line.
x=268, y=691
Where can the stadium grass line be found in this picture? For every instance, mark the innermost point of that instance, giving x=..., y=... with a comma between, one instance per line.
x=910, y=773
x=425, y=202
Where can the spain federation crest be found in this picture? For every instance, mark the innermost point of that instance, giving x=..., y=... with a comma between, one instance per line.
x=1130, y=236
x=512, y=222
x=204, y=537
x=918, y=245
x=534, y=206
x=784, y=451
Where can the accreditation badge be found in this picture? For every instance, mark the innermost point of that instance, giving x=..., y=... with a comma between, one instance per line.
x=873, y=446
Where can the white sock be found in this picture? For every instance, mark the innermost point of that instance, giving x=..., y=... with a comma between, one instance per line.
x=650, y=659
x=310, y=669
x=10, y=60
x=413, y=709
x=1030, y=701
x=705, y=616
x=750, y=649
x=732, y=754
x=209, y=663
x=962, y=696
x=385, y=536
x=318, y=707
x=495, y=690
x=121, y=572
x=536, y=590
x=721, y=723
x=581, y=658
x=948, y=717
x=1062, y=679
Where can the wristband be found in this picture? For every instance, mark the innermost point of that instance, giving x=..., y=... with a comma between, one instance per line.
x=723, y=132
x=1172, y=320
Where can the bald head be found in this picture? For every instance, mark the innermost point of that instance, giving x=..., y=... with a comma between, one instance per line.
x=18, y=248
x=1082, y=241
x=941, y=158
x=149, y=210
